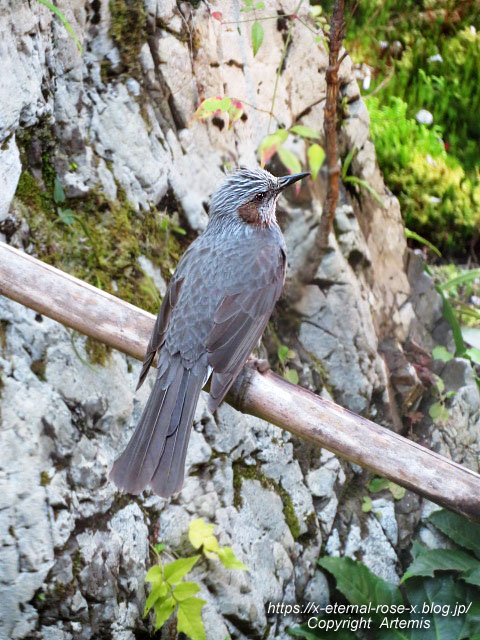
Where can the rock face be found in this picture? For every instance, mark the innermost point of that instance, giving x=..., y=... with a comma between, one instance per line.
x=74, y=552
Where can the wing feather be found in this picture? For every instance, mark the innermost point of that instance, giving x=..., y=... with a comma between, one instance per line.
x=239, y=322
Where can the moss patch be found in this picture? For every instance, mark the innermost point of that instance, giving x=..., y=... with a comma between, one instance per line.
x=242, y=471
x=128, y=31
x=98, y=352
x=102, y=242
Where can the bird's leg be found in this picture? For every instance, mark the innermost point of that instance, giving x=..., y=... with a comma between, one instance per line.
x=260, y=364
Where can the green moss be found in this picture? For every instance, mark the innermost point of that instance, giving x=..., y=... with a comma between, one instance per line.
x=104, y=242
x=128, y=31
x=242, y=471
x=97, y=352
x=44, y=479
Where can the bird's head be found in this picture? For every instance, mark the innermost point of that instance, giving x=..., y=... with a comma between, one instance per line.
x=250, y=196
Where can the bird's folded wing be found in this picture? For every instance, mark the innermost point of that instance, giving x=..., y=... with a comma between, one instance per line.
x=161, y=324
x=240, y=320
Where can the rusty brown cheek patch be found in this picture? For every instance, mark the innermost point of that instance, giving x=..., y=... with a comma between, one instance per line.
x=249, y=213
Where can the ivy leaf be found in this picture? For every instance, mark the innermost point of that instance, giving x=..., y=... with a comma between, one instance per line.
x=441, y=353
x=257, y=37
x=438, y=412
x=158, y=592
x=58, y=192
x=289, y=160
x=316, y=156
x=377, y=484
x=396, y=490
x=185, y=590
x=367, y=504
x=440, y=384
x=282, y=353
x=305, y=132
x=189, y=618
x=174, y=571
x=230, y=560
x=163, y=610
x=440, y=560
x=291, y=375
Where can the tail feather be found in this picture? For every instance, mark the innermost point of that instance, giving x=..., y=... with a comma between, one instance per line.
x=142, y=462
x=169, y=474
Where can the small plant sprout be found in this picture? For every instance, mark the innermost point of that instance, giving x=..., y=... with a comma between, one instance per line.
x=170, y=593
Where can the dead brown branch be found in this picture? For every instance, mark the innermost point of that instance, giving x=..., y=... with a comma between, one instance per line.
x=127, y=328
x=335, y=39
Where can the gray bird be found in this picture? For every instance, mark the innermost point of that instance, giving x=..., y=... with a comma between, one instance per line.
x=215, y=310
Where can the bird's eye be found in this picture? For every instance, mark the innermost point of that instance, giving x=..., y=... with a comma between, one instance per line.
x=260, y=196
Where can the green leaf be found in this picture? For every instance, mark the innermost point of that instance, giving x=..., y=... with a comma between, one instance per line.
x=367, y=187
x=66, y=216
x=200, y=533
x=441, y=353
x=464, y=278
x=377, y=484
x=291, y=375
x=174, y=571
x=158, y=592
x=289, y=160
x=159, y=547
x=282, y=353
x=366, y=504
x=471, y=335
x=440, y=560
x=462, y=531
x=316, y=156
x=189, y=618
x=348, y=161
x=438, y=412
x=257, y=36
x=414, y=236
x=270, y=144
x=64, y=21
x=472, y=576
x=474, y=354
x=358, y=584
x=163, y=610
x=396, y=490
x=185, y=590
x=444, y=593
x=154, y=574
x=450, y=317
x=305, y=132
x=259, y=6
x=440, y=384
x=58, y=192
x=230, y=560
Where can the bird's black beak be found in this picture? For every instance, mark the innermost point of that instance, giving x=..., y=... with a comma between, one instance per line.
x=286, y=181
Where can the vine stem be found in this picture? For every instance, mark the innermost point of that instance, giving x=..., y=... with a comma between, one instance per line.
x=282, y=59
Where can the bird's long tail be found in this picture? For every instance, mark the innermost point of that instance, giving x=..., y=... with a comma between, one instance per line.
x=156, y=452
